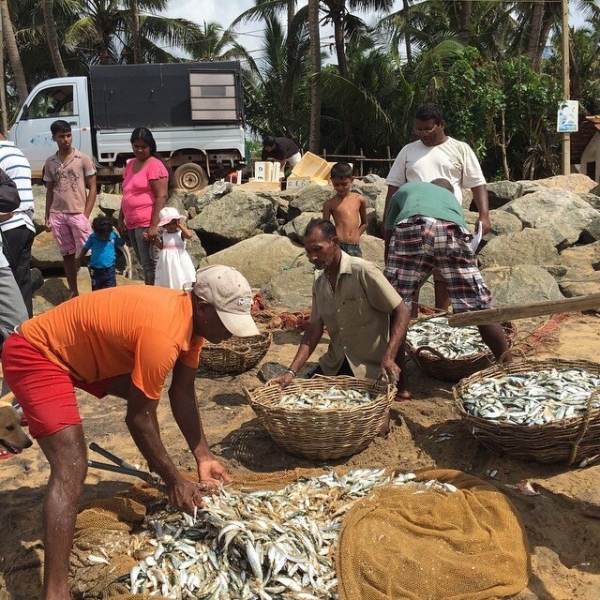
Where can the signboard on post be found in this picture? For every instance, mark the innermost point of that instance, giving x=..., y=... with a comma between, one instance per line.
x=567, y=117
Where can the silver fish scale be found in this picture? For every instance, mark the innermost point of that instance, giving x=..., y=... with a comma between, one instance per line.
x=532, y=397
x=334, y=397
x=451, y=342
x=259, y=545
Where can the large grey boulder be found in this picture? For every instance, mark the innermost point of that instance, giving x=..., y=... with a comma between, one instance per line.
x=291, y=289
x=574, y=182
x=233, y=218
x=372, y=249
x=109, y=203
x=310, y=198
x=559, y=210
x=195, y=249
x=591, y=198
x=582, y=270
x=591, y=232
x=527, y=247
x=520, y=284
x=196, y=203
x=502, y=192
x=45, y=253
x=371, y=191
x=295, y=228
x=501, y=222
x=261, y=257
x=582, y=257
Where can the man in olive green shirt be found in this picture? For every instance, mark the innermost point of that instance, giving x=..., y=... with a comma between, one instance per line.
x=355, y=302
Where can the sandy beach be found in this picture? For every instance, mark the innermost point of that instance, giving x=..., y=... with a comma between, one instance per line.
x=565, y=545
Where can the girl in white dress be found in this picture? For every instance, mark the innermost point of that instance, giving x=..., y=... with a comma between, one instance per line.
x=174, y=267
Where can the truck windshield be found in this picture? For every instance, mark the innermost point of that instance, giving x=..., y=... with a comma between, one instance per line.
x=52, y=102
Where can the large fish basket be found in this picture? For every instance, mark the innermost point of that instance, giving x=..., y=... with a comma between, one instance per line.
x=435, y=364
x=323, y=434
x=235, y=355
x=565, y=441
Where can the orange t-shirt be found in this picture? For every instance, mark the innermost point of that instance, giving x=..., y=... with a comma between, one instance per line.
x=141, y=330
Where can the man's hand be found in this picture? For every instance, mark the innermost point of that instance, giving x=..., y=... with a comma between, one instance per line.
x=391, y=370
x=486, y=226
x=47, y=225
x=212, y=472
x=186, y=495
x=282, y=380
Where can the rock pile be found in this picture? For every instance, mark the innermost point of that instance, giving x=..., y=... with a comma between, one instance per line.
x=544, y=243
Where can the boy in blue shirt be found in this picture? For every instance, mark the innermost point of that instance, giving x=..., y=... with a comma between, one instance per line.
x=101, y=242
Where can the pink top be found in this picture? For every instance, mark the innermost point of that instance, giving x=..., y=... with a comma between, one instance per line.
x=138, y=197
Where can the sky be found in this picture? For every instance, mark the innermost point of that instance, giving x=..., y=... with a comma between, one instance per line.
x=225, y=11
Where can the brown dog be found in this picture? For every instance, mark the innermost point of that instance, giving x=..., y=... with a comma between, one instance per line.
x=12, y=437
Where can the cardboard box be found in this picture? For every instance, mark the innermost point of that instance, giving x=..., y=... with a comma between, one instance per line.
x=266, y=171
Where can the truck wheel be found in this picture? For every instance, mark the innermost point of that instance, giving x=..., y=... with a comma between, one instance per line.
x=190, y=177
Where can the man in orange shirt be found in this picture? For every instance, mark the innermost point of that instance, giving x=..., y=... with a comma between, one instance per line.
x=121, y=341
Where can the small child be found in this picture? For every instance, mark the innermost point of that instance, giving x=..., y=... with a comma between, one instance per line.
x=174, y=267
x=101, y=242
x=348, y=209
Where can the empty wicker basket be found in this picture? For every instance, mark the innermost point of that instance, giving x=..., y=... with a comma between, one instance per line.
x=322, y=434
x=454, y=369
x=235, y=355
x=565, y=441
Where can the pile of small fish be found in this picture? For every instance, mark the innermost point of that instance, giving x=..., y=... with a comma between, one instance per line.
x=334, y=397
x=532, y=397
x=451, y=342
x=259, y=545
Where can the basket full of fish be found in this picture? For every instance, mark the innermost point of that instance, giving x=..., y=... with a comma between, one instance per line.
x=324, y=417
x=449, y=353
x=546, y=410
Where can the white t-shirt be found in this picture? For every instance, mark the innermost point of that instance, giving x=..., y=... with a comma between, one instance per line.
x=451, y=160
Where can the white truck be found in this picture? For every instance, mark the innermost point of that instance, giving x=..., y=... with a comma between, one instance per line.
x=194, y=111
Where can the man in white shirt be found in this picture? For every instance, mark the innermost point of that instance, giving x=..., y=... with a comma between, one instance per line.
x=436, y=155
x=18, y=232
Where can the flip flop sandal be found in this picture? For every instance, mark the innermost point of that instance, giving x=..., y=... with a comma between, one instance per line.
x=6, y=455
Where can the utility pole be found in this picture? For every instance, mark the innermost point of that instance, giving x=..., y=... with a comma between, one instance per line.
x=566, y=137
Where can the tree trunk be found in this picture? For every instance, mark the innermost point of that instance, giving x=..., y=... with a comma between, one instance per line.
x=314, y=139
x=135, y=33
x=13, y=52
x=3, y=105
x=407, y=40
x=464, y=21
x=52, y=39
x=534, y=51
x=291, y=11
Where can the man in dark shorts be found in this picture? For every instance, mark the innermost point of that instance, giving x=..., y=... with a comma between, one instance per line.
x=425, y=228
x=122, y=341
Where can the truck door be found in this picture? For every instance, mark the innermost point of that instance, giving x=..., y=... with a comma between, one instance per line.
x=32, y=129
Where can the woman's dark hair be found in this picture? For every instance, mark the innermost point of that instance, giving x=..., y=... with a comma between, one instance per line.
x=144, y=134
x=102, y=226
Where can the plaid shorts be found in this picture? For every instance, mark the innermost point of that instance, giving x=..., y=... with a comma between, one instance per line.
x=351, y=249
x=71, y=231
x=419, y=244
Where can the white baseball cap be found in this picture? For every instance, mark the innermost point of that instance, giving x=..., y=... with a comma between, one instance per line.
x=228, y=291
x=167, y=214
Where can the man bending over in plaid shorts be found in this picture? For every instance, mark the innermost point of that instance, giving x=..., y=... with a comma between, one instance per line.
x=425, y=228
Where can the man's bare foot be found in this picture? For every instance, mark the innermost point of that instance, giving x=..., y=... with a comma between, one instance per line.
x=384, y=430
x=402, y=396
x=591, y=510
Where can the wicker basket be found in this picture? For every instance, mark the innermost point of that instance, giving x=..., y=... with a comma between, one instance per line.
x=236, y=354
x=454, y=369
x=565, y=441
x=323, y=434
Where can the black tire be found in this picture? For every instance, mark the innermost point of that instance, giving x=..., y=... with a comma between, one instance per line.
x=190, y=177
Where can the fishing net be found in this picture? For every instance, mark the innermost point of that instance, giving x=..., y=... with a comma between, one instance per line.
x=393, y=545
x=270, y=319
x=397, y=544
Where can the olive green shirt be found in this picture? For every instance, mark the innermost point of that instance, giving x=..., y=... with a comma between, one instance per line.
x=356, y=315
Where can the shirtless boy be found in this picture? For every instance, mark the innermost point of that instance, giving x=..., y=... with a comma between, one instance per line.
x=348, y=209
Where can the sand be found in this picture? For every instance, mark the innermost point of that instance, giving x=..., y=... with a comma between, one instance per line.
x=565, y=545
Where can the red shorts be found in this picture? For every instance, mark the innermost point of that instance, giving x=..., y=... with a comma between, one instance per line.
x=45, y=392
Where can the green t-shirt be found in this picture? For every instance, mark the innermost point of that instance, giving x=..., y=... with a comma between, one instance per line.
x=419, y=198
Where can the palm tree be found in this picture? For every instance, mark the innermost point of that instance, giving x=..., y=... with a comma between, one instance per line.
x=214, y=43
x=52, y=37
x=315, y=79
x=10, y=42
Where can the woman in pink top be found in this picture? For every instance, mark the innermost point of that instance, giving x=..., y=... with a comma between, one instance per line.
x=145, y=190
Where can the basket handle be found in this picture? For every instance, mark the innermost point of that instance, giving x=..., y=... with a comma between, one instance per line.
x=433, y=351
x=584, y=427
